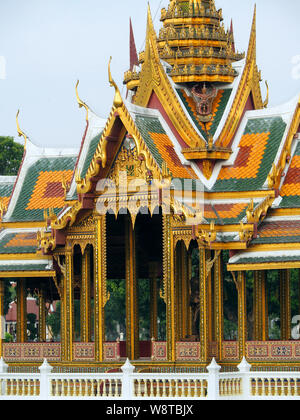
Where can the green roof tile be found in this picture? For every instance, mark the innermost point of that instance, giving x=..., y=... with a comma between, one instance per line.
x=20, y=212
x=276, y=127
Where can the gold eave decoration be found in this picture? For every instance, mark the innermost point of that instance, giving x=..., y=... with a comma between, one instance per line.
x=260, y=212
x=249, y=266
x=203, y=78
x=28, y=274
x=131, y=79
x=206, y=154
x=154, y=79
x=46, y=241
x=68, y=219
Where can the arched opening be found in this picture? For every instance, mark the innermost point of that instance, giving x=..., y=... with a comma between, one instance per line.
x=135, y=312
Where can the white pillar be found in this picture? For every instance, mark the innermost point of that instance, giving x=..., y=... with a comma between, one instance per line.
x=213, y=391
x=244, y=369
x=127, y=381
x=45, y=382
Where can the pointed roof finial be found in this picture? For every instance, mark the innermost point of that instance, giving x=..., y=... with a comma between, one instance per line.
x=118, y=101
x=134, y=61
x=252, y=43
x=20, y=132
x=81, y=103
x=232, y=33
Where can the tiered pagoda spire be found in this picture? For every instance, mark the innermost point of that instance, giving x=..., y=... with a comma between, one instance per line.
x=194, y=42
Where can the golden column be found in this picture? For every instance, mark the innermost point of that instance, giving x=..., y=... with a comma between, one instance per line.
x=210, y=299
x=67, y=316
x=132, y=317
x=153, y=273
x=285, y=304
x=260, y=305
x=85, y=298
x=169, y=294
x=218, y=305
x=204, y=305
x=242, y=313
x=178, y=291
x=189, y=308
x=184, y=291
x=21, y=311
x=2, y=330
x=42, y=315
x=100, y=294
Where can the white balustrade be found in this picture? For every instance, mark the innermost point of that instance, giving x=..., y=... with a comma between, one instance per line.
x=129, y=385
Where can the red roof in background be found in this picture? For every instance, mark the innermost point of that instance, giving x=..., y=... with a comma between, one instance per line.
x=32, y=308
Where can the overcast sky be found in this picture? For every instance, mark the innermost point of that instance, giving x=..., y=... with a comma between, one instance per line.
x=49, y=44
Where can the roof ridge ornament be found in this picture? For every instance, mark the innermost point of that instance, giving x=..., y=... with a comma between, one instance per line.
x=118, y=101
x=81, y=103
x=20, y=132
x=266, y=102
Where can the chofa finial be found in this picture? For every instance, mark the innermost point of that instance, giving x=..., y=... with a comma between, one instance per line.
x=118, y=101
x=20, y=132
x=80, y=102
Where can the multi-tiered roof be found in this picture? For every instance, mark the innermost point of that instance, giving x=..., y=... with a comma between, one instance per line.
x=194, y=116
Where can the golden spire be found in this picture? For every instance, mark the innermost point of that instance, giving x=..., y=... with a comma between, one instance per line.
x=118, y=101
x=20, y=132
x=197, y=24
x=251, y=55
x=81, y=103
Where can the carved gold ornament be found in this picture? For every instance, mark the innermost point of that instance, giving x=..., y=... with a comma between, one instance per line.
x=81, y=103
x=20, y=132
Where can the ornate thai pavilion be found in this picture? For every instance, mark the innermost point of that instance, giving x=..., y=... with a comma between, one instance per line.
x=192, y=162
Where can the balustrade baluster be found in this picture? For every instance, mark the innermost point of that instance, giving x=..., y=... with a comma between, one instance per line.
x=17, y=387
x=6, y=387
x=164, y=388
x=98, y=392
x=110, y=388
x=139, y=394
x=176, y=388
x=276, y=391
x=189, y=388
x=151, y=388
x=289, y=387
x=263, y=388
x=269, y=387
x=257, y=387
x=105, y=394
x=80, y=388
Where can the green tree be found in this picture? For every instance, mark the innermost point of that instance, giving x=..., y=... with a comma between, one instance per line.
x=53, y=321
x=31, y=326
x=11, y=154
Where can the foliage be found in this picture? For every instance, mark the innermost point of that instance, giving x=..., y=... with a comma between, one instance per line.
x=11, y=154
x=8, y=338
x=115, y=310
x=53, y=321
x=33, y=331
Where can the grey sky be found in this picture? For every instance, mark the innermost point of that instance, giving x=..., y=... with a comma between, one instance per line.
x=49, y=44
